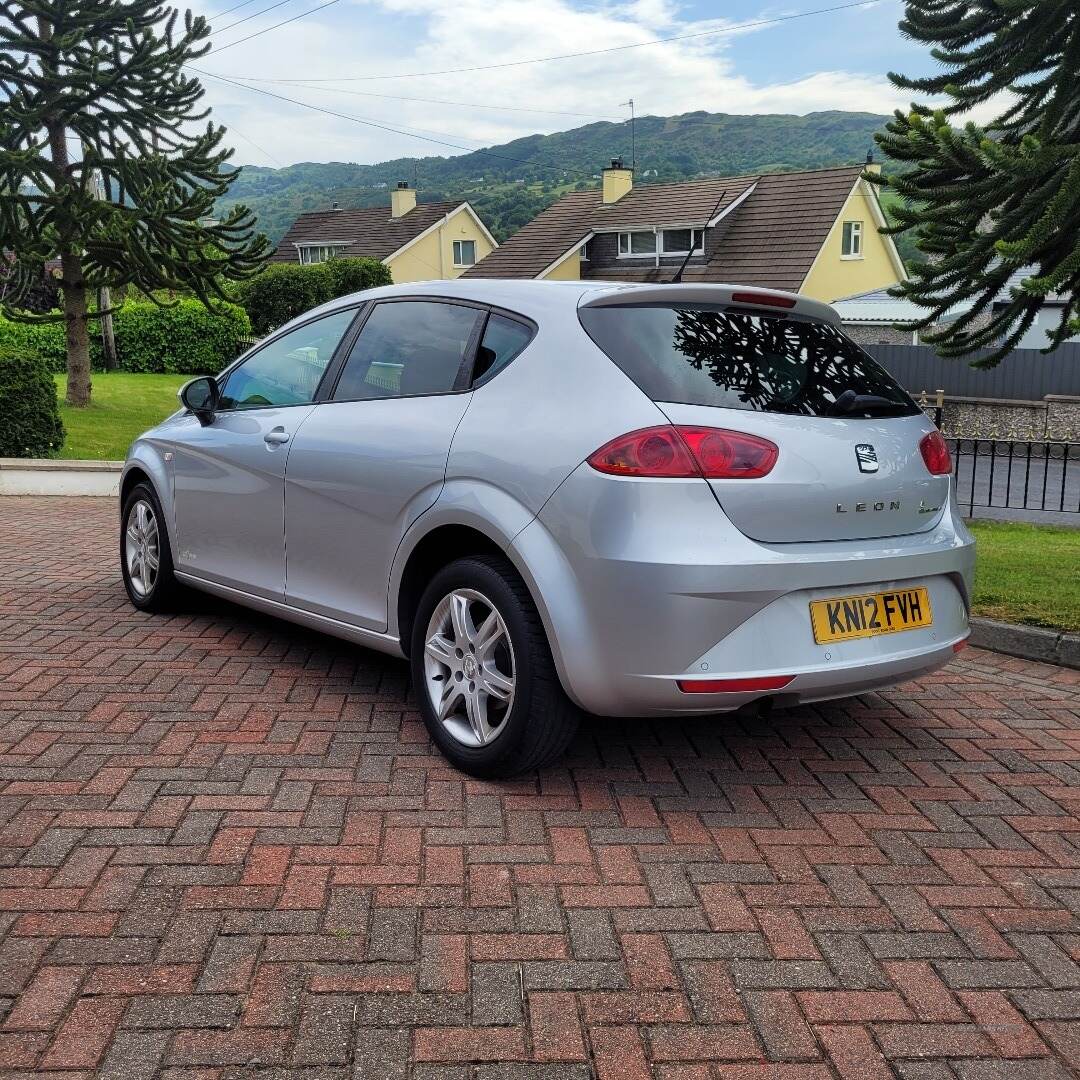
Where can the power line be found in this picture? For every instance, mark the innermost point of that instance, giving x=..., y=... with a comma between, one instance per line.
x=285, y=22
x=573, y=55
x=375, y=124
x=462, y=104
x=229, y=11
x=254, y=15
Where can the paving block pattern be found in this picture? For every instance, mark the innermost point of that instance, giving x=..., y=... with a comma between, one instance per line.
x=227, y=849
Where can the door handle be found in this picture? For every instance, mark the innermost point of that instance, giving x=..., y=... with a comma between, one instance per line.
x=276, y=437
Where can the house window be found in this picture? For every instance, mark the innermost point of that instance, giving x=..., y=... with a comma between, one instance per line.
x=677, y=241
x=671, y=242
x=317, y=253
x=852, y=242
x=464, y=252
x=637, y=243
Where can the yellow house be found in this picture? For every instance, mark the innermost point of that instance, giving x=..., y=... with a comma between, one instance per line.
x=416, y=241
x=813, y=232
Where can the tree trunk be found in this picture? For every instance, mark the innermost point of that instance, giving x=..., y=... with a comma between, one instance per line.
x=78, y=337
x=72, y=282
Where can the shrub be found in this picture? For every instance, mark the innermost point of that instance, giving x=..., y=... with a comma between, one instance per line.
x=185, y=337
x=356, y=275
x=284, y=290
x=32, y=425
x=46, y=339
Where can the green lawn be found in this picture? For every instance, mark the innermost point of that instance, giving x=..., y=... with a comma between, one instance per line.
x=1028, y=573
x=122, y=406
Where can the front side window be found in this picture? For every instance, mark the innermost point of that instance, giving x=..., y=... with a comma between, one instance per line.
x=289, y=369
x=503, y=339
x=464, y=252
x=678, y=241
x=407, y=348
x=640, y=242
x=702, y=354
x=852, y=243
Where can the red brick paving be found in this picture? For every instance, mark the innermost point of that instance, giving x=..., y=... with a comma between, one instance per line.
x=227, y=849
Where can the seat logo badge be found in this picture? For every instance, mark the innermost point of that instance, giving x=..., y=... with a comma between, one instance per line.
x=866, y=456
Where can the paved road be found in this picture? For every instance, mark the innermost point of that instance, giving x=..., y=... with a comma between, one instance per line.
x=1025, y=487
x=227, y=850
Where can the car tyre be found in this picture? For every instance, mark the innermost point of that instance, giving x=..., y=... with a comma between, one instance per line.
x=483, y=672
x=144, y=542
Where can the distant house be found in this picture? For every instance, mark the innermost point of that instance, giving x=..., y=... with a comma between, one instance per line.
x=871, y=317
x=418, y=242
x=813, y=232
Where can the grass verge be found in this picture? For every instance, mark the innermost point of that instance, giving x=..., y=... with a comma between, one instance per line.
x=1028, y=574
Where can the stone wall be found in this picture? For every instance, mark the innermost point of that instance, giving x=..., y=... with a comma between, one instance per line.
x=1053, y=418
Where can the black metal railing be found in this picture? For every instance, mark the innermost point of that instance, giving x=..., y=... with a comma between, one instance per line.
x=1010, y=474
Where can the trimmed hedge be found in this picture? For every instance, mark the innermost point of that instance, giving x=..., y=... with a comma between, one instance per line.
x=284, y=290
x=184, y=338
x=32, y=427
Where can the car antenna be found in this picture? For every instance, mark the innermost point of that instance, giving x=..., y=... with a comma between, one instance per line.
x=715, y=210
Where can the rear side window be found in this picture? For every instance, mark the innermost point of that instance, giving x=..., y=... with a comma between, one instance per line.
x=503, y=339
x=710, y=355
x=407, y=348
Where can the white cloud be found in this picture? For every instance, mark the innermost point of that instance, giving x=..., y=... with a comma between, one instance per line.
x=374, y=37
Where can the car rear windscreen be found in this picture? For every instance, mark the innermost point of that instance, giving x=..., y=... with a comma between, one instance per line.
x=703, y=354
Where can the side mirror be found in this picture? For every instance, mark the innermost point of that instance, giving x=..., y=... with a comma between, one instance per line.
x=200, y=396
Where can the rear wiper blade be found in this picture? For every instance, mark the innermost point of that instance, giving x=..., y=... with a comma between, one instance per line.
x=851, y=402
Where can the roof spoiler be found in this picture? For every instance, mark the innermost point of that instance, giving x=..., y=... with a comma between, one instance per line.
x=743, y=295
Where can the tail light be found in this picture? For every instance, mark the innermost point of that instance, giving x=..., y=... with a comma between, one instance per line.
x=935, y=452
x=687, y=451
x=767, y=299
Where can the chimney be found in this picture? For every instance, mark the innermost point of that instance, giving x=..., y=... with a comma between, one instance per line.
x=871, y=165
x=402, y=199
x=618, y=180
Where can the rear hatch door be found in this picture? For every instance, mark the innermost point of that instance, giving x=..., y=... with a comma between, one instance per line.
x=777, y=366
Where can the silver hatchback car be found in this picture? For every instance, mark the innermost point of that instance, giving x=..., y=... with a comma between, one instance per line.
x=553, y=496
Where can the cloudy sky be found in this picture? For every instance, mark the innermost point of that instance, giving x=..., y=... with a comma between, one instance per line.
x=379, y=52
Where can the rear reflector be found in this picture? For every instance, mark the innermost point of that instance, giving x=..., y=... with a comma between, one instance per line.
x=687, y=451
x=958, y=645
x=935, y=453
x=734, y=686
x=768, y=299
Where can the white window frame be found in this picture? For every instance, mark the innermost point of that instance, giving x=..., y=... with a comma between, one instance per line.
x=628, y=254
x=697, y=238
x=327, y=252
x=660, y=248
x=458, y=246
x=856, y=234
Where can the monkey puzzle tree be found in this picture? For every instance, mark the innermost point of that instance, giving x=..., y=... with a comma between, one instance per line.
x=985, y=201
x=97, y=89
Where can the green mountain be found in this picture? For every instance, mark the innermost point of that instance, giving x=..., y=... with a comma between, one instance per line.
x=509, y=184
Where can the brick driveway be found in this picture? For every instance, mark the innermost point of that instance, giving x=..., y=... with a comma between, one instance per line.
x=227, y=849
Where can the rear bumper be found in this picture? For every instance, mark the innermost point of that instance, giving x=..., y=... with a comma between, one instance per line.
x=642, y=584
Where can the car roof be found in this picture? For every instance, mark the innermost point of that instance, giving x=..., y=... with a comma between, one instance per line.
x=537, y=298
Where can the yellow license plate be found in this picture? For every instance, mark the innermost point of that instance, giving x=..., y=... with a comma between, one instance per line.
x=844, y=618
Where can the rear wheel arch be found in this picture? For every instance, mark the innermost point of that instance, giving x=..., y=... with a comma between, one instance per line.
x=438, y=548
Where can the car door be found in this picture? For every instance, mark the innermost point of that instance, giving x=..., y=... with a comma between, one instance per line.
x=372, y=458
x=229, y=475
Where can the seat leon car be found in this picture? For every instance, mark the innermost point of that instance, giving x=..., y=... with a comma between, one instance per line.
x=561, y=496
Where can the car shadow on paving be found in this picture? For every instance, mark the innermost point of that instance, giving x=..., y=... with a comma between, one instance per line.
x=228, y=849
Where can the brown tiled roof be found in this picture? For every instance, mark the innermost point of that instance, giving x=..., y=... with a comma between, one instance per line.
x=371, y=232
x=770, y=239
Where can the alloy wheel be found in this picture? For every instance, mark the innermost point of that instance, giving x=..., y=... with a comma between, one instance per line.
x=142, y=547
x=469, y=667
